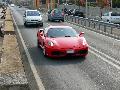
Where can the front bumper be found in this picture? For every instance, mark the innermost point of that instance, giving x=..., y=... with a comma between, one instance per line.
x=51, y=52
x=57, y=18
x=34, y=22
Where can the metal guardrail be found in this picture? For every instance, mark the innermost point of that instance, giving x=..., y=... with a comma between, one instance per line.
x=109, y=29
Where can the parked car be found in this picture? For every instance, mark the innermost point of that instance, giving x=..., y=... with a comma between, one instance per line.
x=69, y=12
x=111, y=17
x=12, y=5
x=32, y=17
x=55, y=14
x=77, y=12
x=60, y=41
x=19, y=6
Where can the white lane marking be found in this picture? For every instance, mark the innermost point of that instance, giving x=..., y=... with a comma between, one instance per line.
x=37, y=78
x=114, y=60
x=104, y=59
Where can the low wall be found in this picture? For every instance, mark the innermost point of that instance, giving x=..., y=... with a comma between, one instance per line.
x=12, y=74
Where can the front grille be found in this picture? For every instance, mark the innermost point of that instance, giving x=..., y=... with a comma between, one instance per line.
x=82, y=52
x=57, y=53
x=34, y=20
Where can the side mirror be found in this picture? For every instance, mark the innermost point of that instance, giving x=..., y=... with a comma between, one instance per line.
x=41, y=32
x=24, y=15
x=81, y=33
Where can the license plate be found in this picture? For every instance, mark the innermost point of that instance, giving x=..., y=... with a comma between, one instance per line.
x=70, y=51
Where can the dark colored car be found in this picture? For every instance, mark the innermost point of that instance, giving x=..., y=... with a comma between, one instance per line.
x=55, y=14
x=20, y=6
x=77, y=12
x=69, y=12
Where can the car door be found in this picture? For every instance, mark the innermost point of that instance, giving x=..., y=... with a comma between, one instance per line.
x=105, y=17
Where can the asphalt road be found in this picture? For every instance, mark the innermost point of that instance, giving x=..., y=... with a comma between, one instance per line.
x=95, y=72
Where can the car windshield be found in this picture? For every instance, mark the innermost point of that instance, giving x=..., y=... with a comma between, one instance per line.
x=61, y=32
x=57, y=11
x=115, y=14
x=33, y=13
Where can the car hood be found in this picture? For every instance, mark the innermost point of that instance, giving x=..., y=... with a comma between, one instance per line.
x=68, y=42
x=34, y=17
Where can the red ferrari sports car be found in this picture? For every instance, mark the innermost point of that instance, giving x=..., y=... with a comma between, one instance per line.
x=60, y=41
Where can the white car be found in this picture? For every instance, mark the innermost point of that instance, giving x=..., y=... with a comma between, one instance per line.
x=111, y=17
x=32, y=17
x=12, y=5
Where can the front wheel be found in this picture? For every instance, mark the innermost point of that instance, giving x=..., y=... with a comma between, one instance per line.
x=62, y=20
x=44, y=52
x=108, y=21
x=38, y=44
x=41, y=24
x=25, y=24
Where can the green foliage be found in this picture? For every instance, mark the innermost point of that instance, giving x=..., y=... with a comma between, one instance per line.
x=116, y=3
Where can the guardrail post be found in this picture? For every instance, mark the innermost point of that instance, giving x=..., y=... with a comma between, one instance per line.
x=94, y=25
x=89, y=24
x=99, y=26
x=111, y=30
x=75, y=19
x=81, y=22
x=72, y=19
x=85, y=22
x=104, y=28
x=78, y=21
x=66, y=17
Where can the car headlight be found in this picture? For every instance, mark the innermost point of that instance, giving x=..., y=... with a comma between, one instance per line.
x=40, y=19
x=50, y=43
x=84, y=42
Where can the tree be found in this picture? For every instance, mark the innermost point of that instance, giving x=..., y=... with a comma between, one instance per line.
x=116, y=3
x=103, y=3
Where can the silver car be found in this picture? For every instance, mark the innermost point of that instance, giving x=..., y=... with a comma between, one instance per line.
x=32, y=17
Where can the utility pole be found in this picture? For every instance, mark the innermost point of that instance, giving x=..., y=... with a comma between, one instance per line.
x=111, y=4
x=51, y=4
x=86, y=9
x=48, y=4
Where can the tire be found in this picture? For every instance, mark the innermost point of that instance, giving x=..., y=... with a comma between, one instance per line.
x=38, y=44
x=25, y=24
x=107, y=20
x=44, y=52
x=41, y=25
x=51, y=20
x=62, y=20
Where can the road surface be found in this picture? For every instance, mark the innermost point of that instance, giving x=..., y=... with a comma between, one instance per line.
x=100, y=70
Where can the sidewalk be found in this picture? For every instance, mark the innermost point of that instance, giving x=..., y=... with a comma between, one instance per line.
x=12, y=74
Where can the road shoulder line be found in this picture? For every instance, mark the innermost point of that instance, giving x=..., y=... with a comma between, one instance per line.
x=37, y=78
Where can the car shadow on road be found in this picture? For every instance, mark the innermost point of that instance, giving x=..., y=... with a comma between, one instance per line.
x=54, y=21
x=29, y=26
x=39, y=59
